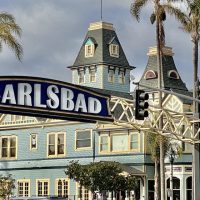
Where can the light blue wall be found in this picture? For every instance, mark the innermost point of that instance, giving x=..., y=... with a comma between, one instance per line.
x=116, y=86
x=102, y=79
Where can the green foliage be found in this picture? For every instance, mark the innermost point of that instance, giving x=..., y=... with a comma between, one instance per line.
x=154, y=145
x=9, y=29
x=6, y=186
x=100, y=176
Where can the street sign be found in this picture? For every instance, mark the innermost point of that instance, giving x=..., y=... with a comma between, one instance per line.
x=33, y=96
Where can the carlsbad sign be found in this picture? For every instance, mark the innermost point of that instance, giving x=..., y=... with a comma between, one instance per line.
x=52, y=99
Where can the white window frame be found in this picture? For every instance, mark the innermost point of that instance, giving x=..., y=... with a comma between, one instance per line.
x=100, y=143
x=114, y=50
x=63, y=187
x=83, y=190
x=138, y=141
x=91, y=71
x=8, y=147
x=111, y=75
x=89, y=50
x=36, y=141
x=56, y=144
x=110, y=136
x=121, y=77
x=23, y=181
x=79, y=131
x=81, y=76
x=43, y=181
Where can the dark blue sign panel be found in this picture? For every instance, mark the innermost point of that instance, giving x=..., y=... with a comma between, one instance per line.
x=52, y=99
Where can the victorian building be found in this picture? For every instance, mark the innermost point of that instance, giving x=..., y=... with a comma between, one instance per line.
x=35, y=151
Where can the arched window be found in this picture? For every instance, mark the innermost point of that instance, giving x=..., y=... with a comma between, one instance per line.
x=173, y=74
x=150, y=75
x=189, y=188
x=176, y=188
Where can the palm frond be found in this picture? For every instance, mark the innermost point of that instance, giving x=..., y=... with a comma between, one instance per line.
x=136, y=7
x=6, y=17
x=11, y=27
x=177, y=13
x=11, y=41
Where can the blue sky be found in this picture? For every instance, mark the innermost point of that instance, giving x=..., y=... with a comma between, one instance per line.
x=53, y=32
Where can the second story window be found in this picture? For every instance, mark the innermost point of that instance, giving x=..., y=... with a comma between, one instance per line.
x=92, y=74
x=81, y=76
x=121, y=77
x=33, y=141
x=83, y=139
x=111, y=75
x=119, y=142
x=104, y=143
x=56, y=144
x=8, y=147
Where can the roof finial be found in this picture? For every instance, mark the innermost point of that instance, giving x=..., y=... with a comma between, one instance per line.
x=101, y=9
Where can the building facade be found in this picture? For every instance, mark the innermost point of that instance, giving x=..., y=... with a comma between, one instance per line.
x=35, y=151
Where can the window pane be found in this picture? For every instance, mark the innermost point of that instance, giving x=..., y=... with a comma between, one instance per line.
x=60, y=188
x=51, y=139
x=12, y=152
x=104, y=143
x=39, y=188
x=12, y=142
x=189, y=183
x=5, y=152
x=4, y=142
x=61, y=149
x=45, y=188
x=20, y=189
x=60, y=143
x=176, y=183
x=83, y=143
x=120, y=142
x=134, y=141
x=83, y=139
x=83, y=135
x=51, y=149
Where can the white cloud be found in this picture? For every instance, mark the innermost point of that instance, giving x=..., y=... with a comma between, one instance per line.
x=53, y=32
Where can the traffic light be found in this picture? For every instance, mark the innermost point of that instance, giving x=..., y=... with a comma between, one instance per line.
x=141, y=105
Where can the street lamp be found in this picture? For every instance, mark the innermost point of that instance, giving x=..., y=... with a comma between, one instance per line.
x=172, y=155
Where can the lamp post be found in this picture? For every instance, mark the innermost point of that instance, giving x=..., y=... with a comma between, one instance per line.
x=172, y=155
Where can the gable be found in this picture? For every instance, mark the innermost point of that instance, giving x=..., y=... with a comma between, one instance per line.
x=173, y=103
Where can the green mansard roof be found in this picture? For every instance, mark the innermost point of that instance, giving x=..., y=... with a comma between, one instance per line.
x=102, y=34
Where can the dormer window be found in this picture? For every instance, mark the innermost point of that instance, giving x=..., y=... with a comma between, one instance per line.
x=114, y=47
x=173, y=74
x=89, y=47
x=114, y=50
x=150, y=75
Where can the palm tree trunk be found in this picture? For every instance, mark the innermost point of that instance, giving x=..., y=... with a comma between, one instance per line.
x=195, y=111
x=156, y=178
x=159, y=65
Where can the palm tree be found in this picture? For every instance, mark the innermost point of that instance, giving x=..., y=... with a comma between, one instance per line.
x=190, y=22
x=8, y=30
x=158, y=16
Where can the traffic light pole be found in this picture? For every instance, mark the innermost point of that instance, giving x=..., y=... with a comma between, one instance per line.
x=196, y=147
